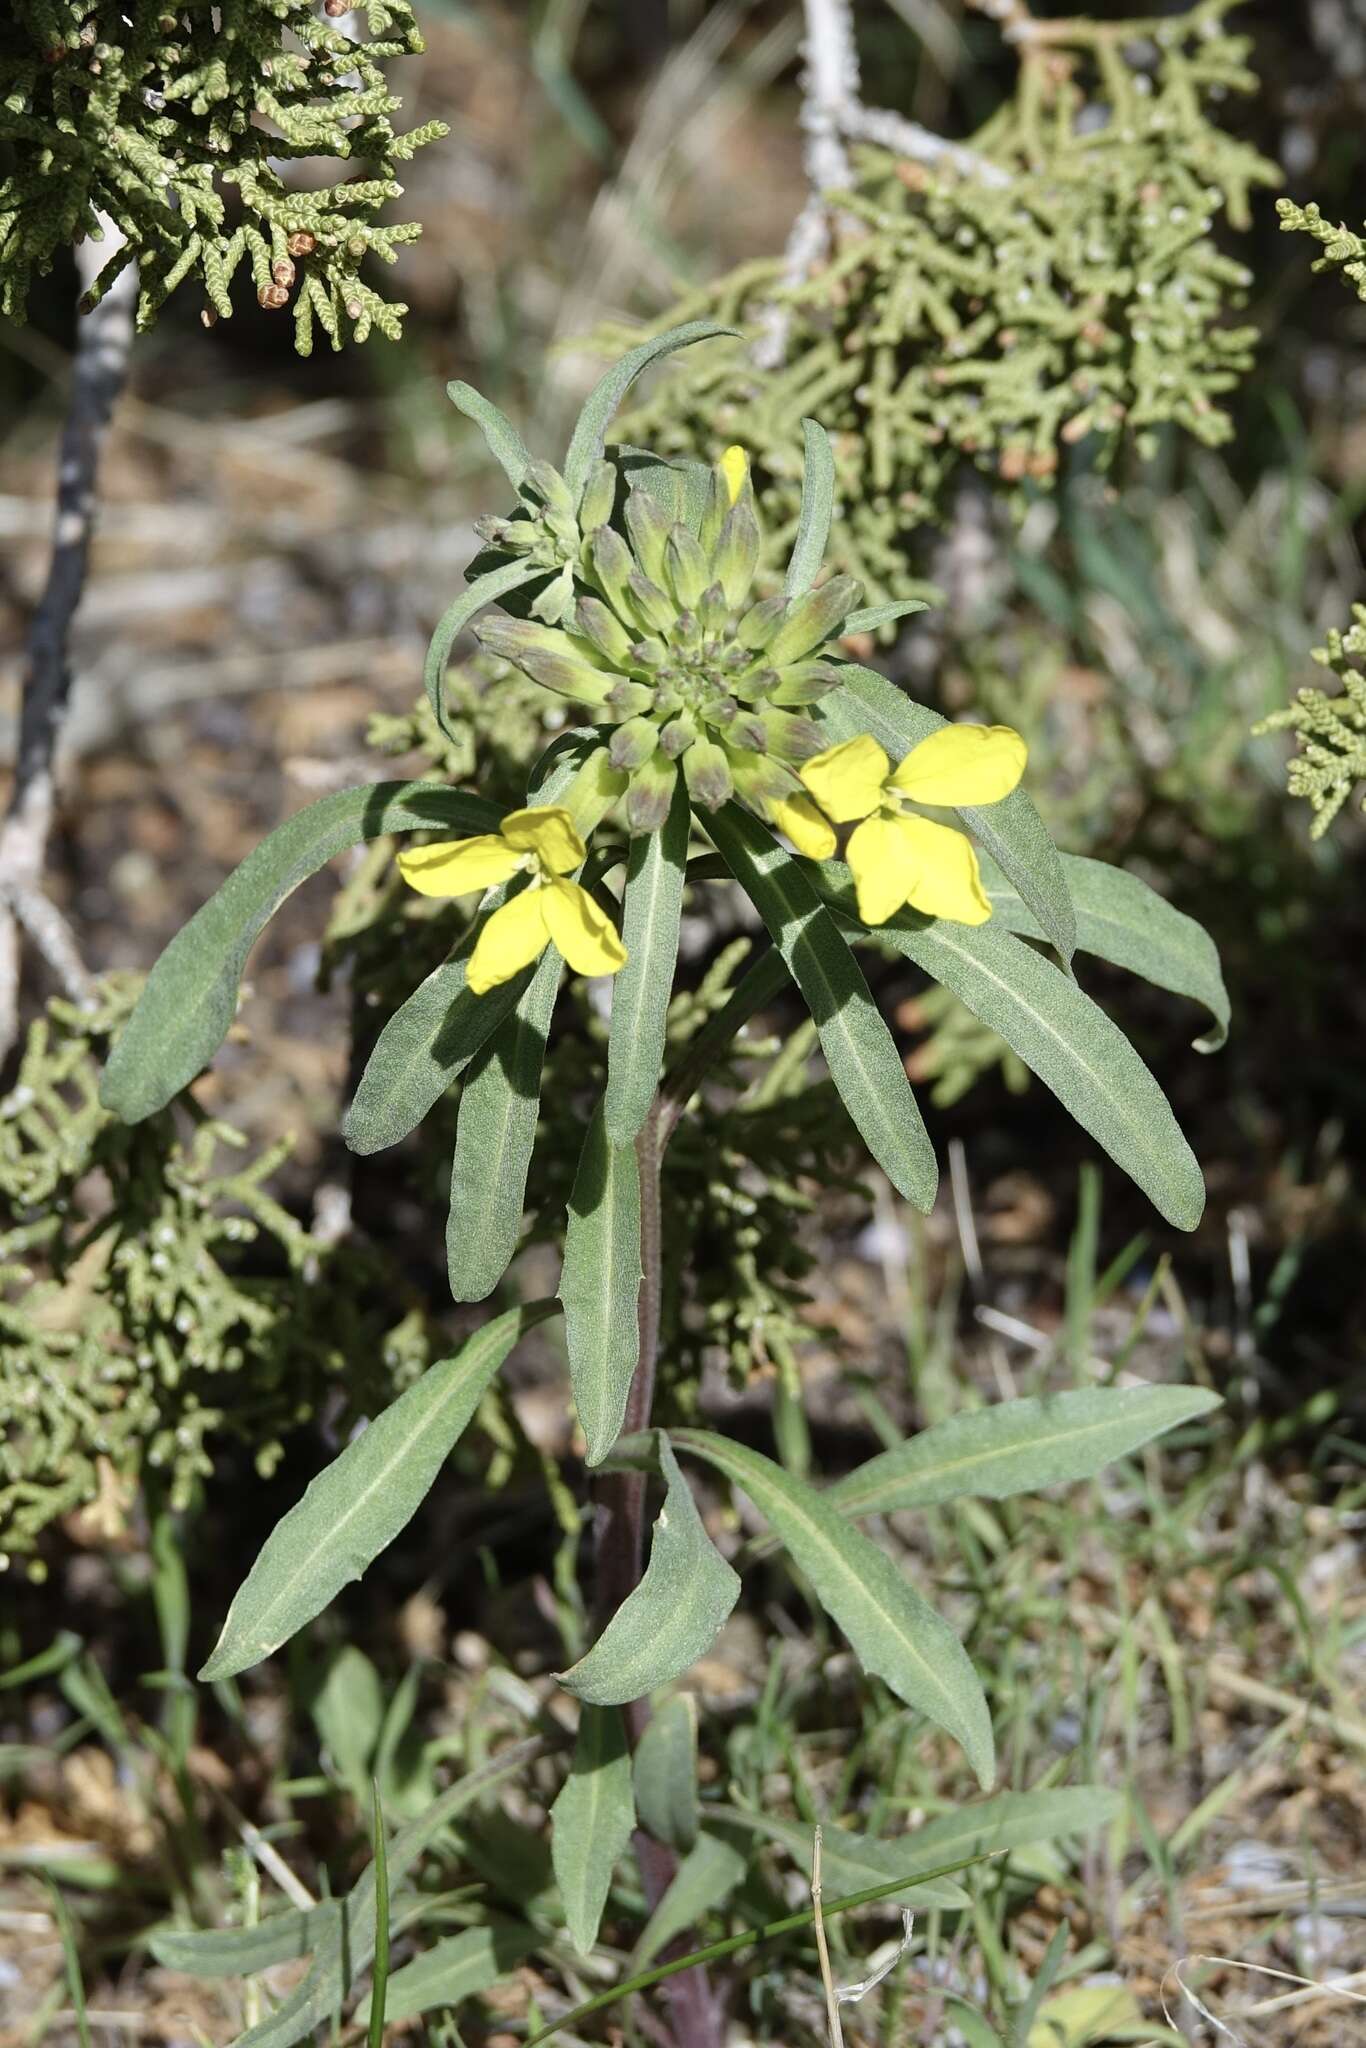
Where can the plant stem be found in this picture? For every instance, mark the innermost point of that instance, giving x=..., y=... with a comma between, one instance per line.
x=619, y=1540
x=103, y=338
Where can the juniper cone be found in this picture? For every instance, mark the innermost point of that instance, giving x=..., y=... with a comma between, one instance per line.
x=667, y=647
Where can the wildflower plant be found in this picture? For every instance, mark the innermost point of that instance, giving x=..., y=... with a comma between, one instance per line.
x=179, y=124
x=633, y=593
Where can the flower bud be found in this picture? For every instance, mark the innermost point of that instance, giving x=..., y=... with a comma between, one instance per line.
x=652, y=607
x=804, y=682
x=592, y=793
x=555, y=660
x=604, y=629
x=685, y=566
x=628, y=699
x=737, y=551
x=599, y=498
x=759, y=779
x=707, y=773
x=613, y=565
x=813, y=619
x=546, y=483
x=651, y=793
x=791, y=738
x=761, y=622
x=648, y=525
x=632, y=744
x=555, y=604
x=678, y=735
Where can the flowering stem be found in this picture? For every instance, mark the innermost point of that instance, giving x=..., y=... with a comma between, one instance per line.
x=619, y=1541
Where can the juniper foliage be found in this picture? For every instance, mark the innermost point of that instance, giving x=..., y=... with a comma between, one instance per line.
x=182, y=124
x=1343, y=251
x=1331, y=729
x=1083, y=299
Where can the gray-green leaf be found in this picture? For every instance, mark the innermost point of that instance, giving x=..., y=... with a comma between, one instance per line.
x=590, y=431
x=600, y=1284
x=859, y=1049
x=500, y=1105
x=1063, y=1037
x=361, y=1500
x=457, y=1968
x=184, y=1012
x=1017, y=1447
x=672, y=1617
x=502, y=439
x=702, y=1883
x=1011, y=831
x=664, y=1771
x=652, y=908
x=484, y=590
x=242, y=1951
x=875, y=615
x=1122, y=920
x=818, y=504
x=892, y=1629
x=591, y=1822
x=854, y=1863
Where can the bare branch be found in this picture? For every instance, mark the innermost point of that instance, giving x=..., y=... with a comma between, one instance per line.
x=103, y=339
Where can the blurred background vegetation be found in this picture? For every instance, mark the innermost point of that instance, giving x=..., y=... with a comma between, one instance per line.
x=279, y=538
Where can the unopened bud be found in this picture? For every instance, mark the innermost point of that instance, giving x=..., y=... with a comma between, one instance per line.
x=283, y=271
x=272, y=297
x=335, y=9
x=301, y=243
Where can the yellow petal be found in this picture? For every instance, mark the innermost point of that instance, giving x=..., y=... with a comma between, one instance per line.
x=734, y=468
x=457, y=867
x=804, y=825
x=947, y=880
x=584, y=934
x=847, y=780
x=963, y=764
x=884, y=868
x=510, y=941
x=548, y=831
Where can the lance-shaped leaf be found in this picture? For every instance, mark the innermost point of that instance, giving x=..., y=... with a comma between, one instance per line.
x=500, y=1105
x=1122, y=920
x=347, y=1943
x=818, y=504
x=1011, y=831
x=457, y=1968
x=702, y=1883
x=427, y=1043
x=1017, y=1447
x=652, y=909
x=1062, y=1036
x=600, y=1284
x=892, y=1629
x=242, y=1951
x=590, y=431
x=850, y=1862
x=664, y=1772
x=873, y=616
x=859, y=1049
x=591, y=1822
x=502, y=439
x=358, y=1504
x=485, y=590
x=184, y=1012
x=672, y=1617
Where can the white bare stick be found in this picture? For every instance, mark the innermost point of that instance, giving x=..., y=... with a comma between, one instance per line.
x=103, y=339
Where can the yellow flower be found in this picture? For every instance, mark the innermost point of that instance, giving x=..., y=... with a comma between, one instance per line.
x=896, y=857
x=734, y=468
x=542, y=843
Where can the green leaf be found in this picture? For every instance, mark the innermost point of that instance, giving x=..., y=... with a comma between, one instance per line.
x=1008, y=1820
x=457, y=1968
x=600, y=1284
x=664, y=1772
x=672, y=1617
x=859, y=1049
x=348, y=1713
x=347, y=1942
x=484, y=590
x=361, y=1500
x=500, y=1106
x=1062, y=1036
x=892, y=1629
x=818, y=504
x=850, y=1860
x=702, y=1883
x=875, y=615
x=379, y=1987
x=590, y=431
x=1012, y=831
x=591, y=1822
x=242, y=1951
x=185, y=1010
x=427, y=1043
x=652, y=908
x=504, y=442
x=1017, y=1447
x=1122, y=920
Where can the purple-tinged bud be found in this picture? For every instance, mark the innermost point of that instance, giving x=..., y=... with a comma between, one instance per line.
x=653, y=608
x=632, y=744
x=555, y=660
x=599, y=498
x=613, y=565
x=647, y=523
x=736, y=556
x=628, y=699
x=545, y=482
x=685, y=566
x=678, y=736
x=804, y=682
x=651, y=793
x=760, y=624
x=604, y=629
x=707, y=773
x=814, y=619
